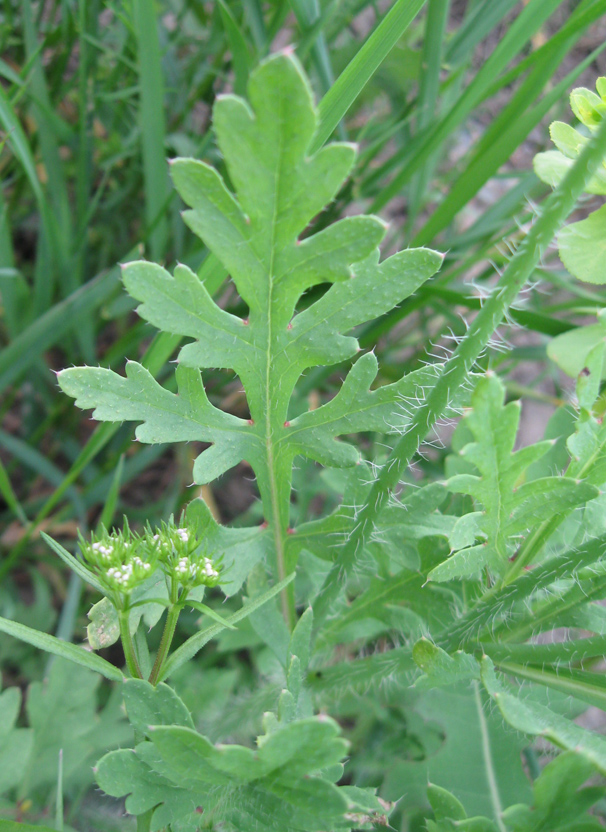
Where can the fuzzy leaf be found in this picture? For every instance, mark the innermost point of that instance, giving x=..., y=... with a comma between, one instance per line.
x=62, y=712
x=15, y=743
x=475, y=756
x=148, y=705
x=537, y=720
x=414, y=517
x=571, y=349
x=511, y=506
x=582, y=247
x=104, y=627
x=439, y=668
x=240, y=549
x=256, y=233
x=275, y=787
x=560, y=801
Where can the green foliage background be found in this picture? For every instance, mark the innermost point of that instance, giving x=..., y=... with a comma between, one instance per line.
x=434, y=563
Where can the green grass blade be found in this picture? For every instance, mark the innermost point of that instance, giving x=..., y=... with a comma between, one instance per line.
x=154, y=359
x=77, y=567
x=238, y=47
x=429, y=87
x=59, y=794
x=505, y=134
x=109, y=509
x=50, y=644
x=479, y=23
x=519, y=34
x=32, y=458
x=254, y=15
x=360, y=70
x=10, y=498
x=49, y=147
x=586, y=13
x=53, y=325
x=307, y=13
x=19, y=144
x=151, y=124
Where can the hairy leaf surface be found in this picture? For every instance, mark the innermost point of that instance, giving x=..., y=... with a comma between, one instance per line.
x=260, y=233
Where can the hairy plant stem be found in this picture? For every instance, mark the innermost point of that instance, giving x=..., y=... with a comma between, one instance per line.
x=169, y=631
x=127, y=645
x=456, y=370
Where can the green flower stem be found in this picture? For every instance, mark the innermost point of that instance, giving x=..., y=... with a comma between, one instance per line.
x=169, y=631
x=456, y=370
x=128, y=646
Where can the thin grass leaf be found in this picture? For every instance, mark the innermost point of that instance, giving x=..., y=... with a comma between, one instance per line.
x=74, y=564
x=429, y=86
x=238, y=46
x=254, y=14
x=111, y=501
x=31, y=458
x=50, y=327
x=307, y=13
x=50, y=644
x=586, y=13
x=519, y=33
x=49, y=150
x=479, y=22
x=17, y=140
x=151, y=123
x=360, y=70
x=59, y=794
x=505, y=134
x=6, y=489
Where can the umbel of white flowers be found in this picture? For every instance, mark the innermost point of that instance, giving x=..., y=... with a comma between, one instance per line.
x=123, y=560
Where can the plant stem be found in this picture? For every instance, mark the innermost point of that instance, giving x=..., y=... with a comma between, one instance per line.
x=457, y=369
x=128, y=646
x=495, y=797
x=167, y=636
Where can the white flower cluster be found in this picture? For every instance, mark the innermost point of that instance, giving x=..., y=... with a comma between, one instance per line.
x=164, y=541
x=103, y=552
x=202, y=571
x=128, y=574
